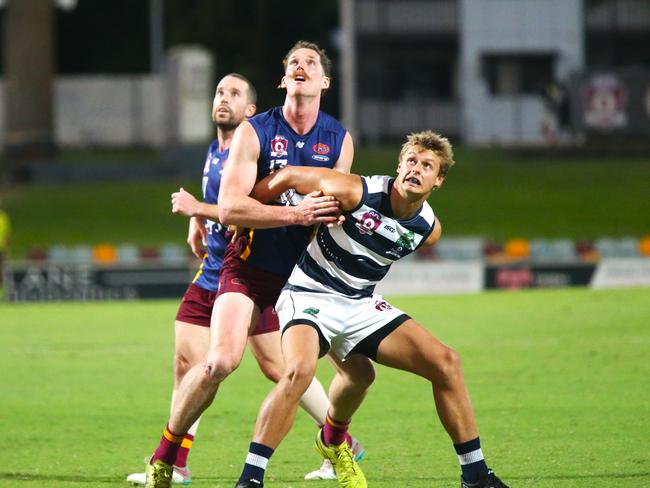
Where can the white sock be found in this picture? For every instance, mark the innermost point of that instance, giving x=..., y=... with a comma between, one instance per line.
x=315, y=402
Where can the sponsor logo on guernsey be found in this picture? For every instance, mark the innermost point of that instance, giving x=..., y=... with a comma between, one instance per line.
x=404, y=242
x=206, y=167
x=369, y=222
x=279, y=146
x=318, y=157
x=311, y=311
x=321, y=150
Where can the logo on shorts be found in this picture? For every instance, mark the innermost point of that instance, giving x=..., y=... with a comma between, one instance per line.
x=311, y=311
x=238, y=281
x=279, y=147
x=382, y=306
x=369, y=223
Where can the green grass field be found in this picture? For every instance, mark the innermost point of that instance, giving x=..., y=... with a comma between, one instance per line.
x=491, y=193
x=559, y=382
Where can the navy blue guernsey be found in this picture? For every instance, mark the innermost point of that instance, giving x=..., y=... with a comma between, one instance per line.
x=277, y=250
x=208, y=275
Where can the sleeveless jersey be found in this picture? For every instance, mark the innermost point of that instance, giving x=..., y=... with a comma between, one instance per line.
x=207, y=276
x=277, y=250
x=352, y=258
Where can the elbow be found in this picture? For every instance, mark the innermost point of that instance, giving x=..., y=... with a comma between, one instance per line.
x=226, y=212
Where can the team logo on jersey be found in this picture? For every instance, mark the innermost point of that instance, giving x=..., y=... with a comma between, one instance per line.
x=279, y=146
x=382, y=306
x=311, y=311
x=300, y=144
x=369, y=222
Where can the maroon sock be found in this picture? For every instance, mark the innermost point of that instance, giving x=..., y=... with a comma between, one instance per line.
x=168, y=448
x=348, y=438
x=335, y=431
x=184, y=451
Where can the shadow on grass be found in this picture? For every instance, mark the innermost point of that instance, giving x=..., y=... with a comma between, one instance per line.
x=56, y=477
x=113, y=479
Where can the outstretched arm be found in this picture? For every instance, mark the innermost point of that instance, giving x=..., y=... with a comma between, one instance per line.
x=346, y=188
x=236, y=207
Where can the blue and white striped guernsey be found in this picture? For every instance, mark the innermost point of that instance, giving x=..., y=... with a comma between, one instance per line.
x=352, y=258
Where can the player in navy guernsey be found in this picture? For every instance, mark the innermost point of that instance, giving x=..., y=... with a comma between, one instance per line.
x=256, y=265
x=234, y=102
x=328, y=304
x=277, y=249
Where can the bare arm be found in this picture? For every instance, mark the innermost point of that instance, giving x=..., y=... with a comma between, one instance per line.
x=346, y=188
x=435, y=235
x=344, y=162
x=196, y=236
x=236, y=207
x=184, y=203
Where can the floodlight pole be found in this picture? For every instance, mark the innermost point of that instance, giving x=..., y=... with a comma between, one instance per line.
x=156, y=35
x=348, y=64
x=29, y=84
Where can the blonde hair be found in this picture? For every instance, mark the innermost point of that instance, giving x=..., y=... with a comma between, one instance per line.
x=428, y=139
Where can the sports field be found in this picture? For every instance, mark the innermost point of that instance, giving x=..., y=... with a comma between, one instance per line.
x=559, y=381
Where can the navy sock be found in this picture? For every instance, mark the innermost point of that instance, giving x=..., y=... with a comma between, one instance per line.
x=256, y=461
x=471, y=460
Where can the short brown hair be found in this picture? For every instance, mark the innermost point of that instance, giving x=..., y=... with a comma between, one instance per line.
x=428, y=139
x=325, y=61
x=252, y=92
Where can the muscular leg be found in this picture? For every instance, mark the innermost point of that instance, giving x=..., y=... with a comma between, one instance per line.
x=268, y=351
x=232, y=316
x=350, y=385
x=191, y=347
x=412, y=348
x=300, y=348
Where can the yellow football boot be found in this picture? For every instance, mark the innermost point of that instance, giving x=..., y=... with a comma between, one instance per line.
x=347, y=470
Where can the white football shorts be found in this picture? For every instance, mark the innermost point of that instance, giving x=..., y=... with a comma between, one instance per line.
x=343, y=321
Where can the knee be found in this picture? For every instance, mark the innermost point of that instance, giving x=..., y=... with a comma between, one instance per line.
x=448, y=367
x=297, y=377
x=219, y=368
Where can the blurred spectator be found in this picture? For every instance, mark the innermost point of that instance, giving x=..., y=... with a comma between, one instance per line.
x=5, y=231
x=556, y=123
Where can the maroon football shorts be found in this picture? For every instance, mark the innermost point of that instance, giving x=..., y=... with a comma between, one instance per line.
x=260, y=286
x=196, y=308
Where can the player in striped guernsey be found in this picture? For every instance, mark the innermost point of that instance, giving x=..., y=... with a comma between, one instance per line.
x=329, y=304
